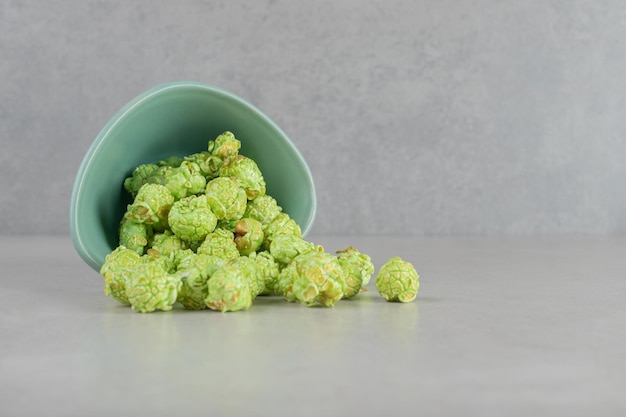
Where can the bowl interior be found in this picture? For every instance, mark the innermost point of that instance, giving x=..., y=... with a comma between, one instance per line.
x=178, y=119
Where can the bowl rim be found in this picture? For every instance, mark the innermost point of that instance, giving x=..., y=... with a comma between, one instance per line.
x=75, y=231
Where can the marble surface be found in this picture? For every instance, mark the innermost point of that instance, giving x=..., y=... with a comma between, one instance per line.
x=501, y=326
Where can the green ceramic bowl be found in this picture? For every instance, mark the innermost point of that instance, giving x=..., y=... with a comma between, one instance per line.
x=178, y=118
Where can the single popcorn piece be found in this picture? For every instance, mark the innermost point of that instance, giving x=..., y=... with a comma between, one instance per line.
x=267, y=268
x=208, y=163
x=247, y=174
x=225, y=146
x=117, y=267
x=263, y=208
x=182, y=181
x=167, y=245
x=149, y=287
x=228, y=288
x=158, y=175
x=358, y=268
x=195, y=271
x=226, y=198
x=134, y=235
x=173, y=161
x=219, y=243
x=138, y=178
x=191, y=218
x=397, y=280
x=187, y=180
x=151, y=206
x=281, y=225
x=248, y=236
x=314, y=278
x=286, y=247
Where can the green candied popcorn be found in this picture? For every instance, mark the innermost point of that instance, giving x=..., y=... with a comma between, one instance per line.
x=263, y=208
x=286, y=247
x=208, y=163
x=167, y=243
x=313, y=278
x=134, y=235
x=180, y=256
x=167, y=262
x=397, y=280
x=158, y=175
x=228, y=224
x=358, y=268
x=226, y=198
x=149, y=287
x=151, y=206
x=247, y=174
x=185, y=180
x=182, y=181
x=267, y=268
x=171, y=161
x=281, y=225
x=138, y=178
x=229, y=289
x=225, y=146
x=284, y=283
x=191, y=218
x=248, y=236
x=115, y=271
x=195, y=271
x=255, y=280
x=219, y=243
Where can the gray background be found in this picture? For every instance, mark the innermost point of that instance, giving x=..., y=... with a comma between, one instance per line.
x=416, y=117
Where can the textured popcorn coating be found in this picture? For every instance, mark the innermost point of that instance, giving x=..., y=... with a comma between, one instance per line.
x=134, y=235
x=116, y=268
x=191, y=218
x=219, y=243
x=194, y=272
x=314, y=278
x=284, y=248
x=182, y=181
x=247, y=174
x=281, y=225
x=229, y=289
x=263, y=208
x=138, y=178
x=225, y=146
x=358, y=268
x=248, y=236
x=166, y=246
x=226, y=198
x=167, y=243
x=397, y=280
x=208, y=163
x=268, y=270
x=149, y=287
x=151, y=205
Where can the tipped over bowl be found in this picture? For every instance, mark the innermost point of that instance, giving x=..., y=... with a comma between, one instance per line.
x=178, y=118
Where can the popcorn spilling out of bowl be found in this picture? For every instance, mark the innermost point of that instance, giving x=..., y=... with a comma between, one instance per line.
x=202, y=231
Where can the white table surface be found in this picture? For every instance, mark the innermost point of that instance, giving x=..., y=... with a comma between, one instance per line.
x=524, y=326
